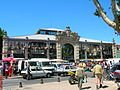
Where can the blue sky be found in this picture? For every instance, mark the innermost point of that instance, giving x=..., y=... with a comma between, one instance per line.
x=25, y=17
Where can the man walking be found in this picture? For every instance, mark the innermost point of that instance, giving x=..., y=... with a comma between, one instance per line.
x=98, y=72
x=28, y=72
x=80, y=73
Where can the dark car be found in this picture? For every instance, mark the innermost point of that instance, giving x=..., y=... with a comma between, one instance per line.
x=116, y=73
x=116, y=70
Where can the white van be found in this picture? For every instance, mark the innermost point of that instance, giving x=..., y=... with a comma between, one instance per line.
x=40, y=63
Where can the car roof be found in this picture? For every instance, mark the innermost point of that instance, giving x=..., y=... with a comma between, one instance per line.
x=62, y=63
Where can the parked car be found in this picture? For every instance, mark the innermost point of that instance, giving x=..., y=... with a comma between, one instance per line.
x=116, y=70
x=62, y=69
x=116, y=73
x=35, y=72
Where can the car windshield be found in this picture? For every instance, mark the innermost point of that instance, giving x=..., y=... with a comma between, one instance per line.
x=47, y=64
x=60, y=65
x=33, y=63
x=118, y=67
x=115, y=67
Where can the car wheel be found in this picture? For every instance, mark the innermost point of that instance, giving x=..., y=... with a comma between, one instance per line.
x=24, y=77
x=65, y=74
x=48, y=75
x=71, y=81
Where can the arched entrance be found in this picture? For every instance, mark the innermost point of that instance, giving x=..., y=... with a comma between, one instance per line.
x=68, y=52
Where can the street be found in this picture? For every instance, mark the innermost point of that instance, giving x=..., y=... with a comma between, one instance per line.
x=35, y=84
x=15, y=82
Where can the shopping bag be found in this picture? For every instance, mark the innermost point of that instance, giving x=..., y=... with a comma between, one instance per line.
x=85, y=80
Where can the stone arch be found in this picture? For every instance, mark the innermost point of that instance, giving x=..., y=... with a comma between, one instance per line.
x=67, y=51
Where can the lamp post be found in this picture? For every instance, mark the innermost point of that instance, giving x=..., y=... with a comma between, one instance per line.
x=48, y=48
x=101, y=50
x=26, y=48
x=85, y=49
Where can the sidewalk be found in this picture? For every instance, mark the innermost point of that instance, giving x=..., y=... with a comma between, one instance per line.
x=13, y=77
x=64, y=85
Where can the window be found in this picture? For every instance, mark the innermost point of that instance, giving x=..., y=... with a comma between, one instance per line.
x=33, y=63
x=46, y=64
x=42, y=32
x=67, y=67
x=118, y=67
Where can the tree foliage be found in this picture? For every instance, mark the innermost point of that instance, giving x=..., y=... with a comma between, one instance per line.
x=115, y=7
x=2, y=33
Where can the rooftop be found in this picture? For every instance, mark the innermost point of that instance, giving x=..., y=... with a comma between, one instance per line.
x=53, y=37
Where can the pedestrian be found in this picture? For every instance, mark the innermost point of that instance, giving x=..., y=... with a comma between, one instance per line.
x=28, y=72
x=111, y=64
x=10, y=71
x=98, y=72
x=106, y=68
x=4, y=68
x=105, y=71
x=6, y=71
x=80, y=73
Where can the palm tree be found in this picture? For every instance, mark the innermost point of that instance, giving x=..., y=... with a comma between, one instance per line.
x=115, y=8
x=3, y=33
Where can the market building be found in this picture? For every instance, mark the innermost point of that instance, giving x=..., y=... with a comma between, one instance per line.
x=57, y=44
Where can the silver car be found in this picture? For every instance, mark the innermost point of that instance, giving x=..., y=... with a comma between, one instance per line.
x=35, y=72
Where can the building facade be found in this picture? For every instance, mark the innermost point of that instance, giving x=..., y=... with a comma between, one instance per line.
x=57, y=44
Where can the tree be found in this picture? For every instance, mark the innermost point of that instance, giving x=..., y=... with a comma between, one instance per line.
x=115, y=23
x=3, y=33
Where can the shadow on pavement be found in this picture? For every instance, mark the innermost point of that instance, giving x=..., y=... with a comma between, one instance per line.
x=105, y=86
x=118, y=89
x=87, y=87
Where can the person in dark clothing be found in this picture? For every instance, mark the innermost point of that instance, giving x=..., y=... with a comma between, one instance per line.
x=28, y=72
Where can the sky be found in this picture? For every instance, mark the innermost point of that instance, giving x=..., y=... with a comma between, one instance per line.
x=25, y=17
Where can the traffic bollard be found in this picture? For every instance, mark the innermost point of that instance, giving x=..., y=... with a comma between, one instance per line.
x=41, y=81
x=20, y=84
x=58, y=79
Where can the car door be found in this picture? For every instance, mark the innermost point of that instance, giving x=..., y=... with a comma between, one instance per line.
x=40, y=72
x=33, y=72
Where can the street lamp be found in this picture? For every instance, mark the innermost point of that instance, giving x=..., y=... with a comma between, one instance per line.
x=101, y=50
x=48, y=48
x=85, y=49
x=26, y=48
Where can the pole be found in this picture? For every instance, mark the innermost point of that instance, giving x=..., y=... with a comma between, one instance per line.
x=48, y=49
x=26, y=48
x=85, y=49
x=101, y=50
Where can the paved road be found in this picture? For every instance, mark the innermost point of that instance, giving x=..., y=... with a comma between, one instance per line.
x=15, y=82
x=64, y=85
